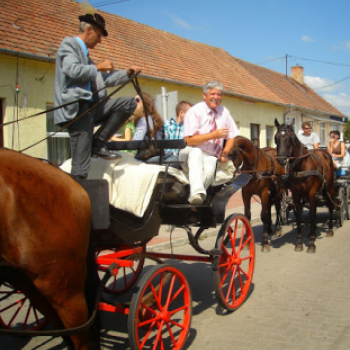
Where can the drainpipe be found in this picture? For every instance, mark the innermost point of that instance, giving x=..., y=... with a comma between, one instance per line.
x=285, y=114
x=164, y=103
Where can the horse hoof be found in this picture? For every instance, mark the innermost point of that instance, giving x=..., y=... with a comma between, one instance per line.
x=298, y=248
x=329, y=233
x=265, y=248
x=311, y=250
x=278, y=233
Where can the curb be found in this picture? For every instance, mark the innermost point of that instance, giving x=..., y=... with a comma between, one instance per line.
x=182, y=241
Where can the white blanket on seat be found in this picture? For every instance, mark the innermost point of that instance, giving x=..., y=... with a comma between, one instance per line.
x=131, y=182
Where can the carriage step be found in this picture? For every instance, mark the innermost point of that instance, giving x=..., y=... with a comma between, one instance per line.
x=187, y=214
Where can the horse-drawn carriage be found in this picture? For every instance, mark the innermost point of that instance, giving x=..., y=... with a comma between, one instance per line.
x=291, y=178
x=312, y=181
x=51, y=256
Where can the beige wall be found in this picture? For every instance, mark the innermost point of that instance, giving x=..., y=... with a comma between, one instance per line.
x=36, y=82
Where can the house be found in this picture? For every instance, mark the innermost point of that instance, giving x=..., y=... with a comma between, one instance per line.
x=174, y=68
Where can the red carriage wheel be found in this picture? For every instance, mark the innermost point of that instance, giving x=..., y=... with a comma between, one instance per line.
x=233, y=268
x=17, y=312
x=125, y=277
x=161, y=310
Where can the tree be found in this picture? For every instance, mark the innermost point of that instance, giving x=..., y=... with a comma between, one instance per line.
x=347, y=131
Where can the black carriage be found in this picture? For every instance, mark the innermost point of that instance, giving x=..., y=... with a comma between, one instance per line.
x=160, y=309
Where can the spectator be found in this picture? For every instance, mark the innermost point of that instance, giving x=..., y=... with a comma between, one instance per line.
x=336, y=148
x=79, y=79
x=173, y=130
x=307, y=137
x=126, y=132
x=206, y=126
x=155, y=123
x=154, y=118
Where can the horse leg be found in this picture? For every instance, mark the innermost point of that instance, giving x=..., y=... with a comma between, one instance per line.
x=298, y=213
x=331, y=208
x=266, y=220
x=277, y=202
x=246, y=196
x=312, y=219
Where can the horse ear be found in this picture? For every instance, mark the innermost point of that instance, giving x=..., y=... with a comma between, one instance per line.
x=277, y=123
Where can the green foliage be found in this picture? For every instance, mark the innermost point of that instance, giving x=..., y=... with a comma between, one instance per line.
x=347, y=131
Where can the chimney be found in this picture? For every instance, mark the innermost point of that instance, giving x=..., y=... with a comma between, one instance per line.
x=298, y=74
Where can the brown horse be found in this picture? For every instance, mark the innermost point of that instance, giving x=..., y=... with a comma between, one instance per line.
x=309, y=173
x=44, y=240
x=264, y=182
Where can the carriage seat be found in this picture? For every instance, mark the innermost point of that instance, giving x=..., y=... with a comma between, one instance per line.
x=131, y=182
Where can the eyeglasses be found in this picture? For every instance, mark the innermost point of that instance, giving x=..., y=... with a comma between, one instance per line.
x=333, y=136
x=307, y=128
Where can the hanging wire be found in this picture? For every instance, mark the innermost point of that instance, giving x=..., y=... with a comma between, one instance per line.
x=337, y=82
x=110, y=2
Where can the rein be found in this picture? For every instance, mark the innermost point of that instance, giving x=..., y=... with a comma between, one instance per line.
x=131, y=79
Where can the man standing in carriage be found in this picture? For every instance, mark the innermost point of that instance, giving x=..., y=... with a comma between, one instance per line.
x=79, y=79
x=206, y=126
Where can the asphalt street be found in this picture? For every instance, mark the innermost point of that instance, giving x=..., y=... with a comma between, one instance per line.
x=297, y=301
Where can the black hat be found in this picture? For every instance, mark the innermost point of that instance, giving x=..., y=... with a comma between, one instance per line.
x=96, y=20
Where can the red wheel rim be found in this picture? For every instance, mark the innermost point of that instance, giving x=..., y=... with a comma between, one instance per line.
x=164, y=311
x=236, y=263
x=17, y=312
x=125, y=277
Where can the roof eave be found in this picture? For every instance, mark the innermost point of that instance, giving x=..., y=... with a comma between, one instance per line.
x=246, y=97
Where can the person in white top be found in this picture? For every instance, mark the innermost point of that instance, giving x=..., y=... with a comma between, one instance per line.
x=307, y=137
x=207, y=124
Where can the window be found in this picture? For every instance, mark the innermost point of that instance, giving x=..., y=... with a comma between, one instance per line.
x=1, y=121
x=58, y=146
x=255, y=134
x=336, y=126
x=269, y=136
x=322, y=133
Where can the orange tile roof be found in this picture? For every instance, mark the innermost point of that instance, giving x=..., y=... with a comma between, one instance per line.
x=38, y=26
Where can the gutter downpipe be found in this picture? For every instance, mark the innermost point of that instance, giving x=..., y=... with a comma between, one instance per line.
x=164, y=103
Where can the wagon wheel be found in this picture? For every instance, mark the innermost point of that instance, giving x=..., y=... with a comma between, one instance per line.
x=161, y=310
x=17, y=312
x=233, y=268
x=125, y=277
x=346, y=202
x=341, y=209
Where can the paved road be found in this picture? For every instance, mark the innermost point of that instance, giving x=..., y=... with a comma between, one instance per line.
x=298, y=301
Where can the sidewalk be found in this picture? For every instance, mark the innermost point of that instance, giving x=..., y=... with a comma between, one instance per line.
x=179, y=236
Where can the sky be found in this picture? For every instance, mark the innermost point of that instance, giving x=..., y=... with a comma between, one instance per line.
x=275, y=34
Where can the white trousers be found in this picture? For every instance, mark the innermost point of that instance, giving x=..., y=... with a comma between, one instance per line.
x=201, y=169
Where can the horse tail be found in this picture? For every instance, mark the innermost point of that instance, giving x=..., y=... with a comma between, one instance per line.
x=91, y=295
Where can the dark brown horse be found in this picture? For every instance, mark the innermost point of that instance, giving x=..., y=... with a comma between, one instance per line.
x=44, y=240
x=309, y=173
x=264, y=182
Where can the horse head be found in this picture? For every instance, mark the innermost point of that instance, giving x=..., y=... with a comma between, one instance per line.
x=286, y=142
x=243, y=153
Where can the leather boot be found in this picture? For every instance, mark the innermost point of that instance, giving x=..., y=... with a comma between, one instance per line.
x=108, y=128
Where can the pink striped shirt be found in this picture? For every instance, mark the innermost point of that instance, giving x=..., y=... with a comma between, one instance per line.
x=198, y=122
